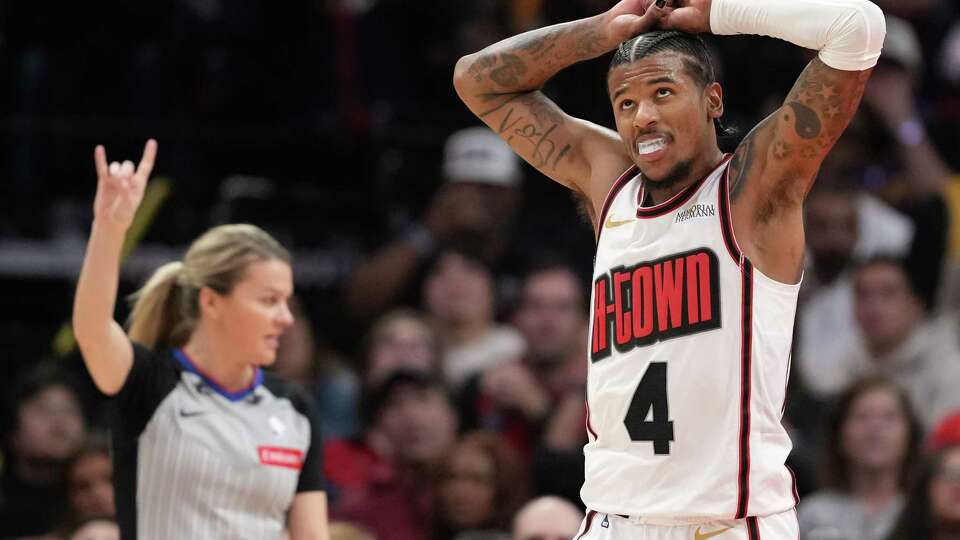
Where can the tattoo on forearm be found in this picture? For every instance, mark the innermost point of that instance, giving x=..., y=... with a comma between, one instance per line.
x=510, y=70
x=590, y=42
x=481, y=65
x=539, y=46
x=533, y=57
x=536, y=129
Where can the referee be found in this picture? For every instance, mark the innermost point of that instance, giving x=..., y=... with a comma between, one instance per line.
x=205, y=445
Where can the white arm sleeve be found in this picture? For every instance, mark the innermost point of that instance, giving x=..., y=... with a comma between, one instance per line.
x=848, y=33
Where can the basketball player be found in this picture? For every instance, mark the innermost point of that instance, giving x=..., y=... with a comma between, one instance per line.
x=699, y=254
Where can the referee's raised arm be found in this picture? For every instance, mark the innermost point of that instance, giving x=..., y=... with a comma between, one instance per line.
x=106, y=349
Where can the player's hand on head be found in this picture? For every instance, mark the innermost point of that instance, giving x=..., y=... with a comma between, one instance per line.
x=120, y=186
x=632, y=17
x=691, y=16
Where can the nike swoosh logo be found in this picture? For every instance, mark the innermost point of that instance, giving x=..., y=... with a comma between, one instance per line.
x=703, y=536
x=189, y=414
x=612, y=223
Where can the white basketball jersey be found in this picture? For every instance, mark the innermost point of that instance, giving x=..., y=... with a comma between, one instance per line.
x=688, y=365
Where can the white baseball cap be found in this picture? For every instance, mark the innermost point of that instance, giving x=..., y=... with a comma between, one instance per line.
x=478, y=155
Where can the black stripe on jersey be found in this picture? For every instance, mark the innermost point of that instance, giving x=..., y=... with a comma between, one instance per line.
x=586, y=528
x=612, y=194
x=746, y=354
x=753, y=529
x=646, y=212
x=726, y=221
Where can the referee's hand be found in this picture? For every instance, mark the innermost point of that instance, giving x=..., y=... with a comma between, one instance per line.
x=120, y=186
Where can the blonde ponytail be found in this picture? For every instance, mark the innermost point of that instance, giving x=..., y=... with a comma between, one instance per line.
x=157, y=307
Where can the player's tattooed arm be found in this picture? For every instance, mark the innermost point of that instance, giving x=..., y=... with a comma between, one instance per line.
x=779, y=159
x=501, y=85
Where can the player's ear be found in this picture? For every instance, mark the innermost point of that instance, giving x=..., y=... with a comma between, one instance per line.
x=713, y=95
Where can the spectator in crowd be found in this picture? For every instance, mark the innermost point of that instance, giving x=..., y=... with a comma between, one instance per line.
x=96, y=528
x=334, y=388
x=386, y=480
x=516, y=397
x=872, y=439
x=482, y=484
x=89, y=476
x=46, y=427
x=401, y=338
x=547, y=518
x=932, y=511
x=475, y=207
x=899, y=342
x=458, y=295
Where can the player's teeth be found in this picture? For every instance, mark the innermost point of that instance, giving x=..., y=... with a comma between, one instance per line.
x=651, y=146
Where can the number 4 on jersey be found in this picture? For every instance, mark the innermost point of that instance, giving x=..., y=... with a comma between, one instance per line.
x=651, y=393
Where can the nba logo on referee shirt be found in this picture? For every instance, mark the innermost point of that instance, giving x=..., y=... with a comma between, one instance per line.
x=276, y=456
x=277, y=426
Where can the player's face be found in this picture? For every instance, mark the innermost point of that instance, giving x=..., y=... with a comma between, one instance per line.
x=876, y=432
x=255, y=313
x=664, y=117
x=945, y=490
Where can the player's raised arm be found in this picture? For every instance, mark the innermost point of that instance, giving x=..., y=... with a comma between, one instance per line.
x=106, y=349
x=501, y=85
x=774, y=167
x=781, y=156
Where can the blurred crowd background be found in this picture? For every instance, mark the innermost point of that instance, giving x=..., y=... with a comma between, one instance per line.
x=442, y=286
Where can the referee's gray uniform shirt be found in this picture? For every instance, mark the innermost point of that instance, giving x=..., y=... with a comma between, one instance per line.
x=192, y=460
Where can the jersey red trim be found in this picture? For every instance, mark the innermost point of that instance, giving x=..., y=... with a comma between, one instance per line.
x=612, y=194
x=726, y=219
x=746, y=357
x=678, y=200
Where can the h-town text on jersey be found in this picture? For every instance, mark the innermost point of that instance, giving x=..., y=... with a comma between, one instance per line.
x=655, y=300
